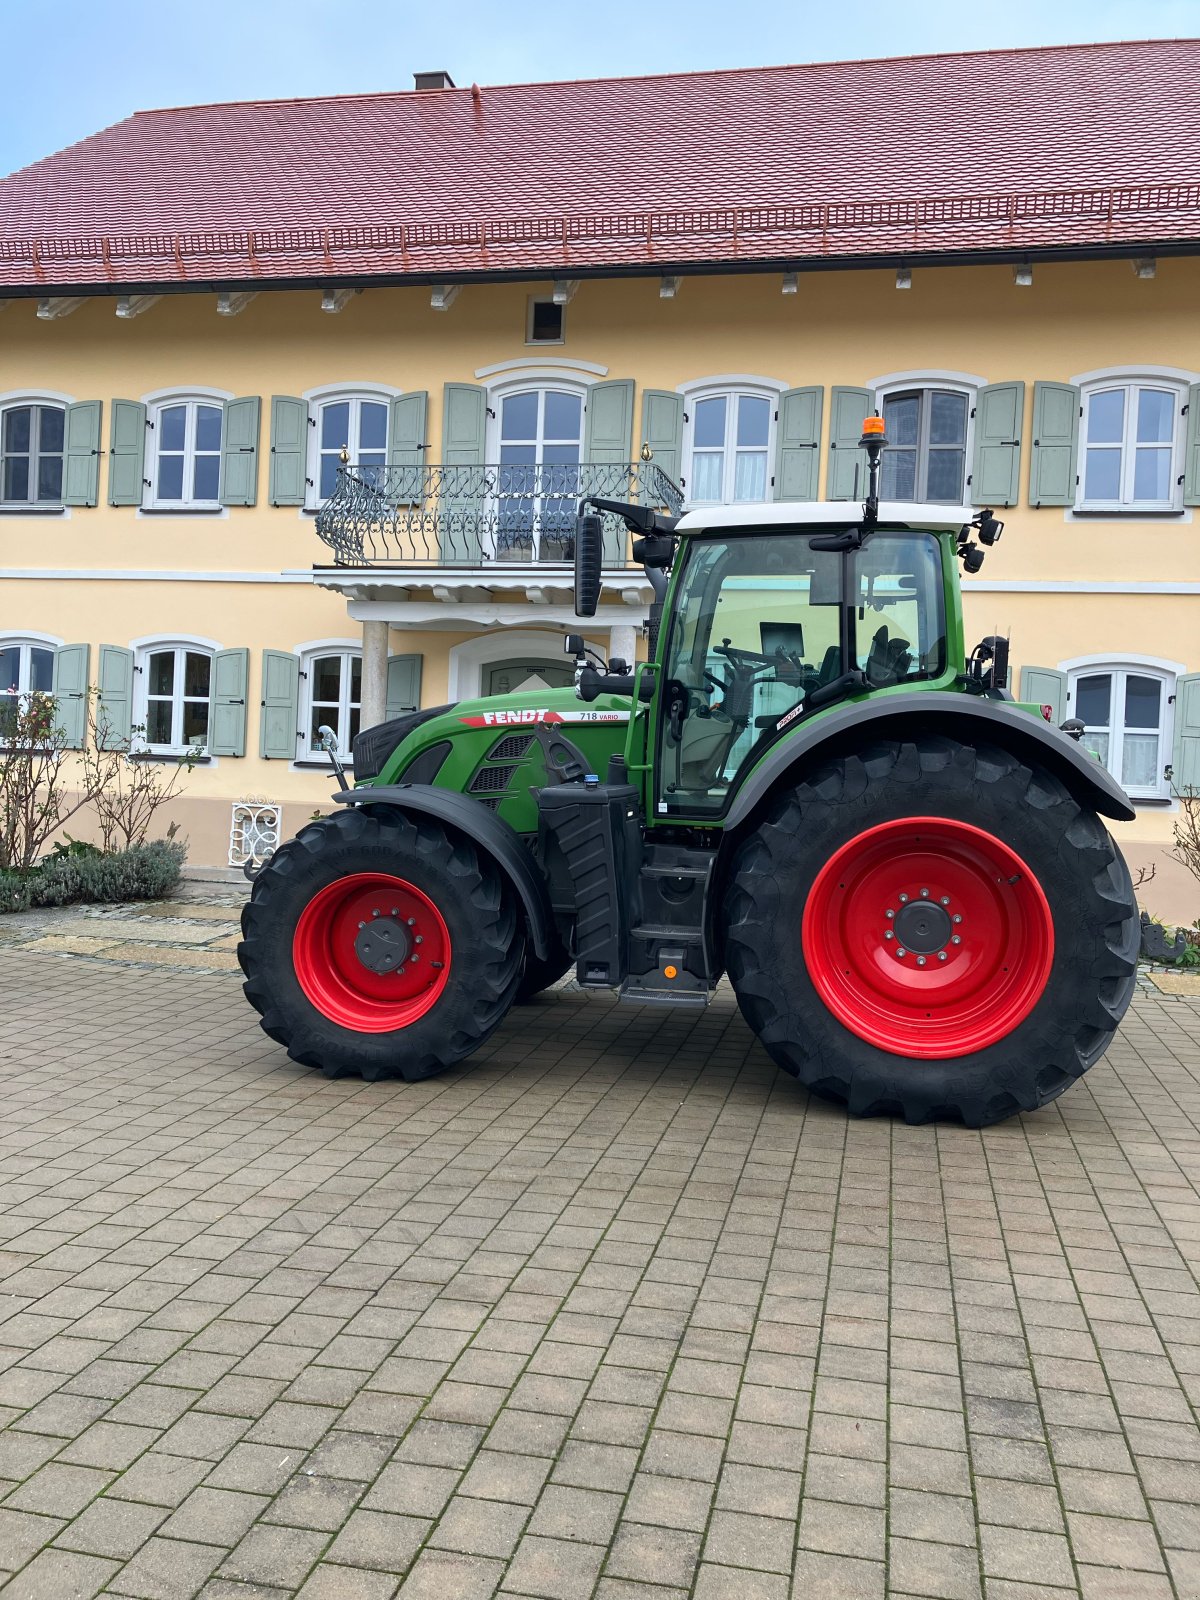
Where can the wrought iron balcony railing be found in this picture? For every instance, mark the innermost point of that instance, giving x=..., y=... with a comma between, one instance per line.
x=471, y=516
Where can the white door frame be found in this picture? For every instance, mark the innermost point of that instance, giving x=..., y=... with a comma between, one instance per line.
x=468, y=659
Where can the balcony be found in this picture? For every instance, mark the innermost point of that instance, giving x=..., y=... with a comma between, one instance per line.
x=498, y=516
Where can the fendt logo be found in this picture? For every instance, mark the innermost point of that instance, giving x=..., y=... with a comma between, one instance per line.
x=490, y=719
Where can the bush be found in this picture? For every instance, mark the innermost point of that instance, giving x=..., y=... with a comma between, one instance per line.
x=146, y=872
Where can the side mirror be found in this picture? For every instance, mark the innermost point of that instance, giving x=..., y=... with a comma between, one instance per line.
x=573, y=644
x=589, y=547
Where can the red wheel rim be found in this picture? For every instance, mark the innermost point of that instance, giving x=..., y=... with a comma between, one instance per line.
x=349, y=930
x=928, y=937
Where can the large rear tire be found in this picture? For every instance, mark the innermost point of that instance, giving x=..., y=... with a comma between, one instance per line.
x=932, y=930
x=380, y=944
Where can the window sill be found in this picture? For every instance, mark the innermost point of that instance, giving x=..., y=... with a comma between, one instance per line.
x=1140, y=512
x=181, y=511
x=1163, y=800
x=316, y=764
x=32, y=511
x=175, y=756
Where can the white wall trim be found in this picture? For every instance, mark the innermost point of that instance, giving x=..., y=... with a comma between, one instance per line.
x=538, y=376
x=1131, y=371
x=186, y=391
x=20, y=397
x=174, y=641
x=468, y=659
x=117, y=575
x=1072, y=586
x=312, y=646
x=32, y=636
x=926, y=376
x=731, y=380
x=1129, y=659
x=329, y=391
x=558, y=363
x=1163, y=518
x=433, y=616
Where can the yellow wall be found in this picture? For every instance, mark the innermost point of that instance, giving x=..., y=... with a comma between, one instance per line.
x=841, y=328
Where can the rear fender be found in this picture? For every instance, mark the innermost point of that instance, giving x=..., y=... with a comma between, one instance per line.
x=967, y=718
x=484, y=829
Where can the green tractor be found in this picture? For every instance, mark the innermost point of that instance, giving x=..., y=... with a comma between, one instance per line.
x=809, y=787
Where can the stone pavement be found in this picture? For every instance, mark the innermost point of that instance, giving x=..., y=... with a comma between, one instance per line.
x=615, y=1313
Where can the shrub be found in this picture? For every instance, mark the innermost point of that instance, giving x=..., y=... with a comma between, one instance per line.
x=146, y=872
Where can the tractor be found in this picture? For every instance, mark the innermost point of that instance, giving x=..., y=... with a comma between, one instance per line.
x=809, y=787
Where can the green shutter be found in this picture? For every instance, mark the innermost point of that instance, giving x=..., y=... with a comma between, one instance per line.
x=239, y=452
x=81, y=486
x=280, y=706
x=608, y=438
x=798, y=440
x=1045, y=686
x=403, y=684
x=662, y=430
x=126, y=453
x=230, y=674
x=289, y=451
x=1053, y=459
x=70, y=690
x=114, y=709
x=846, y=475
x=1186, y=755
x=406, y=446
x=1191, y=459
x=996, y=461
x=464, y=432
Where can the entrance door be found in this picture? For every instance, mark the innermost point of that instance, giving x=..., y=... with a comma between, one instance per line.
x=524, y=676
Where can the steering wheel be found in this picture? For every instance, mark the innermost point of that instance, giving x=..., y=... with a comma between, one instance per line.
x=735, y=656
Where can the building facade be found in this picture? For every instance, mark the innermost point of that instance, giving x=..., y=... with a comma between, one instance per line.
x=170, y=432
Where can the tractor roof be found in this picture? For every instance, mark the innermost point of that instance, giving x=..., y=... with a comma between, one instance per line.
x=838, y=513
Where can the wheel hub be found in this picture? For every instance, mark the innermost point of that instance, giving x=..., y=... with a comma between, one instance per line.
x=923, y=926
x=382, y=944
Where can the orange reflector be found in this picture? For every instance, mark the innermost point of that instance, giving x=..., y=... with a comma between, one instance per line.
x=670, y=972
x=1048, y=713
x=872, y=425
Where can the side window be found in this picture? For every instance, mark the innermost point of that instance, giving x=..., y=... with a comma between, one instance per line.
x=172, y=698
x=31, y=453
x=1130, y=446
x=186, y=461
x=729, y=439
x=1125, y=712
x=331, y=690
x=26, y=669
x=354, y=423
x=926, y=458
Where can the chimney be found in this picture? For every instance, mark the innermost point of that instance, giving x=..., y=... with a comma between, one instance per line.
x=432, y=80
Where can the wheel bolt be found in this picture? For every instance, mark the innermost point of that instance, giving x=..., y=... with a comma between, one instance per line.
x=903, y=899
x=395, y=911
x=889, y=934
x=889, y=915
x=376, y=912
x=941, y=955
x=945, y=899
x=956, y=938
x=412, y=922
x=924, y=894
x=957, y=916
x=420, y=939
x=901, y=952
x=920, y=961
x=414, y=958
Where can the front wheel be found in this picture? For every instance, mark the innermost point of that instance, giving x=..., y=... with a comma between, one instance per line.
x=967, y=941
x=380, y=944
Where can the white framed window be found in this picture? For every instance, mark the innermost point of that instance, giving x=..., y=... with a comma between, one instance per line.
x=536, y=431
x=26, y=669
x=172, y=700
x=353, y=418
x=729, y=442
x=545, y=322
x=1126, y=711
x=330, y=696
x=1131, y=444
x=186, y=453
x=32, y=443
x=928, y=433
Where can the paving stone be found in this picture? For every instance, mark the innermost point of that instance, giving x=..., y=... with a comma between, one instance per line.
x=167, y=1569
x=109, y=1527
x=449, y=1575
x=214, y=1516
x=480, y=1527
x=57, y=1574
x=554, y=1569
x=380, y=1540
x=278, y=1556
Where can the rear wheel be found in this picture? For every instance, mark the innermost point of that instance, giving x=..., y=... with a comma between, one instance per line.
x=968, y=938
x=380, y=944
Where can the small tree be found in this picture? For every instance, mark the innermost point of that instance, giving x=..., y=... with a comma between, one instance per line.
x=41, y=787
x=1186, y=831
x=128, y=789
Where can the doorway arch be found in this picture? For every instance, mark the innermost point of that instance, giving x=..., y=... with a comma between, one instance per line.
x=470, y=660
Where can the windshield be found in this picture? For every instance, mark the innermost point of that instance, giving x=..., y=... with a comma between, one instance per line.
x=760, y=622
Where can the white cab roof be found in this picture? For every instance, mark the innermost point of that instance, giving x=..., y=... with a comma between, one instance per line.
x=771, y=513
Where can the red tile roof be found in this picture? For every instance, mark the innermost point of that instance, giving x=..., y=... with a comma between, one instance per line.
x=1078, y=147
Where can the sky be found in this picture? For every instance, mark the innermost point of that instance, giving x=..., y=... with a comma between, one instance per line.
x=85, y=64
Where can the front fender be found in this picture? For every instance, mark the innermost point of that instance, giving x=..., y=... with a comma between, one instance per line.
x=967, y=718
x=485, y=829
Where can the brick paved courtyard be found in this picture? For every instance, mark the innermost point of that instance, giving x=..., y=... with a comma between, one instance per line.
x=615, y=1313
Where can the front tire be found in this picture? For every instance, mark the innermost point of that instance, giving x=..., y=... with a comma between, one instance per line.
x=380, y=944
x=932, y=930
